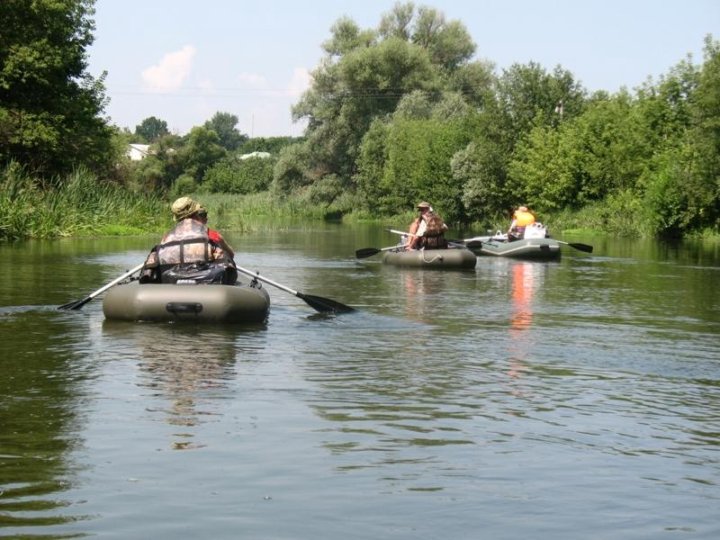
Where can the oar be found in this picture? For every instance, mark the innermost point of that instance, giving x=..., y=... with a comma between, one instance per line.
x=456, y=243
x=369, y=252
x=77, y=304
x=318, y=303
x=582, y=247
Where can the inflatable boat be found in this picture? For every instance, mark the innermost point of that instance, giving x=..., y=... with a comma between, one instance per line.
x=187, y=302
x=450, y=258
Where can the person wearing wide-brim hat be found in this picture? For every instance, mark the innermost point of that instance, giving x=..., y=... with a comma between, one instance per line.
x=190, y=251
x=427, y=230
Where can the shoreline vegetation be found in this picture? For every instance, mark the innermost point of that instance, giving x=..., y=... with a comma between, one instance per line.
x=82, y=206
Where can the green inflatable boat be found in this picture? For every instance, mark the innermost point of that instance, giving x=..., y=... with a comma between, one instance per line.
x=193, y=302
x=450, y=258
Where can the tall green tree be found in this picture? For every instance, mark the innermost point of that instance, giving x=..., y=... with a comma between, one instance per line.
x=225, y=125
x=151, y=129
x=50, y=107
x=705, y=137
x=364, y=76
x=202, y=149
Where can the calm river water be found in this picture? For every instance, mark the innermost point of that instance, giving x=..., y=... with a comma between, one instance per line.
x=519, y=400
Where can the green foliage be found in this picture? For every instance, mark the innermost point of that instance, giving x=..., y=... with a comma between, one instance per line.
x=371, y=165
x=417, y=166
x=364, y=77
x=480, y=170
x=78, y=204
x=182, y=185
x=234, y=175
x=50, y=108
x=584, y=159
x=272, y=145
x=291, y=170
x=527, y=96
x=704, y=140
x=201, y=150
x=151, y=129
x=224, y=124
x=325, y=191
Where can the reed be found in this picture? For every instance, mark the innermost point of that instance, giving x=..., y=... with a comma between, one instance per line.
x=78, y=205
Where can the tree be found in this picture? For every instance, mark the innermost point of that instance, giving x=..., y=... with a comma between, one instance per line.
x=224, y=125
x=234, y=175
x=705, y=137
x=50, y=107
x=201, y=151
x=151, y=129
x=528, y=95
x=364, y=76
x=412, y=158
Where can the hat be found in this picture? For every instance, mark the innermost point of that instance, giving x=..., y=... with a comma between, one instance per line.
x=184, y=207
x=423, y=205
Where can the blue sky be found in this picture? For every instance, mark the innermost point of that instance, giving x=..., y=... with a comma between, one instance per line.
x=184, y=60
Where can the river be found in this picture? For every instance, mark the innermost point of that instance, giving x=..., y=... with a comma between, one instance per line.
x=570, y=399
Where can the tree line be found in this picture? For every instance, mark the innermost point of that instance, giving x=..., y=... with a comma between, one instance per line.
x=395, y=114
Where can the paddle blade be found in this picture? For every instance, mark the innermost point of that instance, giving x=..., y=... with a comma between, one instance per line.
x=77, y=304
x=366, y=252
x=582, y=247
x=324, y=305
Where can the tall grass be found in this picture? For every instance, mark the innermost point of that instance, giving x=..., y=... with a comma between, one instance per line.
x=78, y=205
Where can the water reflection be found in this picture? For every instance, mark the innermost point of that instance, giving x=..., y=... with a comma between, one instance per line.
x=422, y=292
x=183, y=368
x=526, y=278
x=41, y=418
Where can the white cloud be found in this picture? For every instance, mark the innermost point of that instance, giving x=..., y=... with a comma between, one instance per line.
x=171, y=72
x=301, y=81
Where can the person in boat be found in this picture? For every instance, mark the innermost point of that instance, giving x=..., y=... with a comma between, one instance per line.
x=522, y=218
x=427, y=230
x=190, y=252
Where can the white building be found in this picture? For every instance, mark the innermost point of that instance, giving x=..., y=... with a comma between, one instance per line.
x=263, y=155
x=136, y=152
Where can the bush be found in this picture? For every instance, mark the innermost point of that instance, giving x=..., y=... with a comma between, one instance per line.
x=233, y=175
x=183, y=185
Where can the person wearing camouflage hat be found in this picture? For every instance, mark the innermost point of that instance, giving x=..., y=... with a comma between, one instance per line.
x=190, y=251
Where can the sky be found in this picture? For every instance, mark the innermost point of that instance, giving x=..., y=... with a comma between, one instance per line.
x=184, y=60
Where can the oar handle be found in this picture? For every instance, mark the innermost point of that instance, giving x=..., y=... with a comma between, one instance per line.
x=80, y=303
x=257, y=276
x=116, y=281
x=401, y=232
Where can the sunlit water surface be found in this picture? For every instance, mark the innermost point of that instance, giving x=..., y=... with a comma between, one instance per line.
x=564, y=400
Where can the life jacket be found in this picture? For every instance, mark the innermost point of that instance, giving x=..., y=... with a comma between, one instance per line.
x=187, y=255
x=434, y=235
x=523, y=219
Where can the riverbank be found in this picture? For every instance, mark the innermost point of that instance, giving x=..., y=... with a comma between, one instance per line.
x=81, y=205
